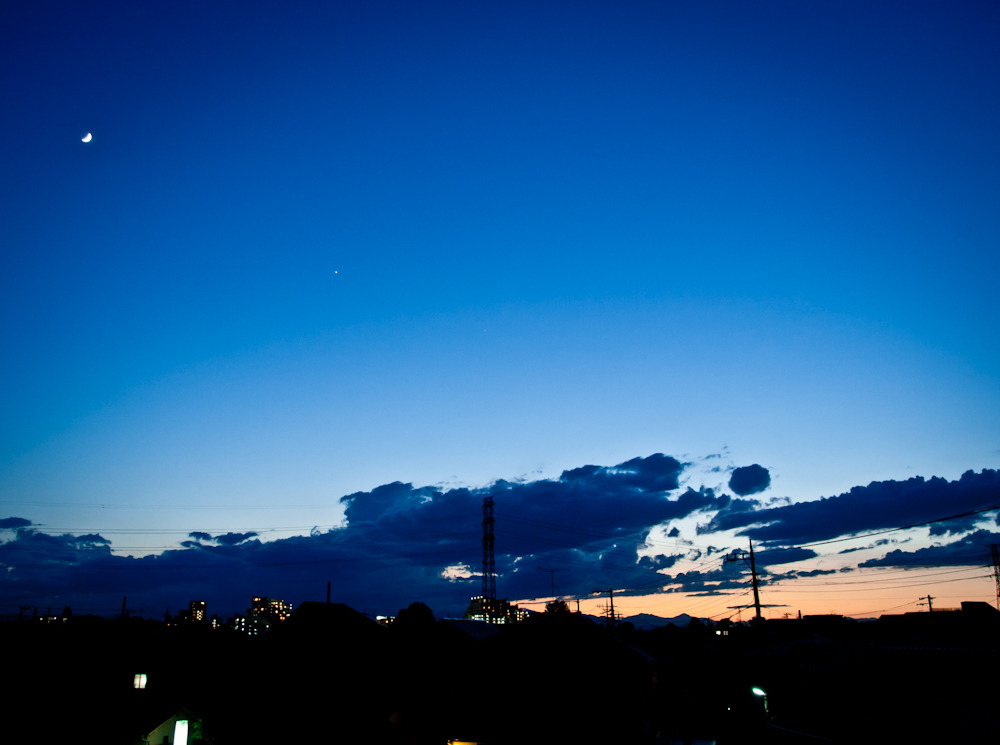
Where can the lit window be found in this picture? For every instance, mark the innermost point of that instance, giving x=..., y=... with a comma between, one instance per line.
x=140, y=680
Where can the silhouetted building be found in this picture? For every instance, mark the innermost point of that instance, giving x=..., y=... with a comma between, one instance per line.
x=196, y=612
x=250, y=625
x=496, y=611
x=331, y=620
x=175, y=729
x=271, y=608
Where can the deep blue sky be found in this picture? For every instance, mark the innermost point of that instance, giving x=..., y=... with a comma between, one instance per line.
x=315, y=249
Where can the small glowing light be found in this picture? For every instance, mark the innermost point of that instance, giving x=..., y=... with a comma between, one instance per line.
x=139, y=681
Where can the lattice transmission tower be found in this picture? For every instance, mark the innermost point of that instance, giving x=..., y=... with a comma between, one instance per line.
x=489, y=564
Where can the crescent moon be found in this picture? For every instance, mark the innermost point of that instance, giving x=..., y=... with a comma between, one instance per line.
x=87, y=137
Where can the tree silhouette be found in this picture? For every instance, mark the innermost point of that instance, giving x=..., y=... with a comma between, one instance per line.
x=557, y=606
x=414, y=616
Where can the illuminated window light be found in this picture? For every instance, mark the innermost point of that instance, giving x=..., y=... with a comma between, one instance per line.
x=139, y=681
x=181, y=732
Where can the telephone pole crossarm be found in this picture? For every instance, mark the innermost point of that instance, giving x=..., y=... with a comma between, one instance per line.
x=552, y=573
x=611, y=604
x=738, y=554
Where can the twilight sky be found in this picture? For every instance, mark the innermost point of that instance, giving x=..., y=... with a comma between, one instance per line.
x=330, y=273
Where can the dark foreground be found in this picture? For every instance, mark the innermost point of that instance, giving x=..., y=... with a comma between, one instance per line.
x=331, y=675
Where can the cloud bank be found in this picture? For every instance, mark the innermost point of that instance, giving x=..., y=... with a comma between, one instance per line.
x=401, y=543
x=880, y=505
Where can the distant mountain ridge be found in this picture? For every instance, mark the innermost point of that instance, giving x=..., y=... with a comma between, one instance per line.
x=646, y=621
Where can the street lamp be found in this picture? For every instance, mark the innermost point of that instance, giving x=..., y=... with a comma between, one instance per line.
x=763, y=694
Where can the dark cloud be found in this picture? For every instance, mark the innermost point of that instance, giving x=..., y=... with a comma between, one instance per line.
x=402, y=543
x=656, y=473
x=226, y=539
x=660, y=561
x=733, y=577
x=971, y=550
x=784, y=556
x=749, y=480
x=14, y=523
x=876, y=544
x=384, y=501
x=743, y=505
x=399, y=540
x=232, y=539
x=35, y=566
x=821, y=572
x=90, y=539
x=720, y=581
x=880, y=505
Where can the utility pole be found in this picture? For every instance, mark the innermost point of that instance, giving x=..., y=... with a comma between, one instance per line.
x=739, y=554
x=611, y=606
x=928, y=598
x=996, y=569
x=552, y=574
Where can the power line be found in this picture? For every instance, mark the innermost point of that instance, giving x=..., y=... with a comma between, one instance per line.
x=960, y=515
x=942, y=570
x=739, y=554
x=892, y=587
x=552, y=576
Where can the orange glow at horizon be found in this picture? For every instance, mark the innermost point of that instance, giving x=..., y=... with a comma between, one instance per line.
x=854, y=594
